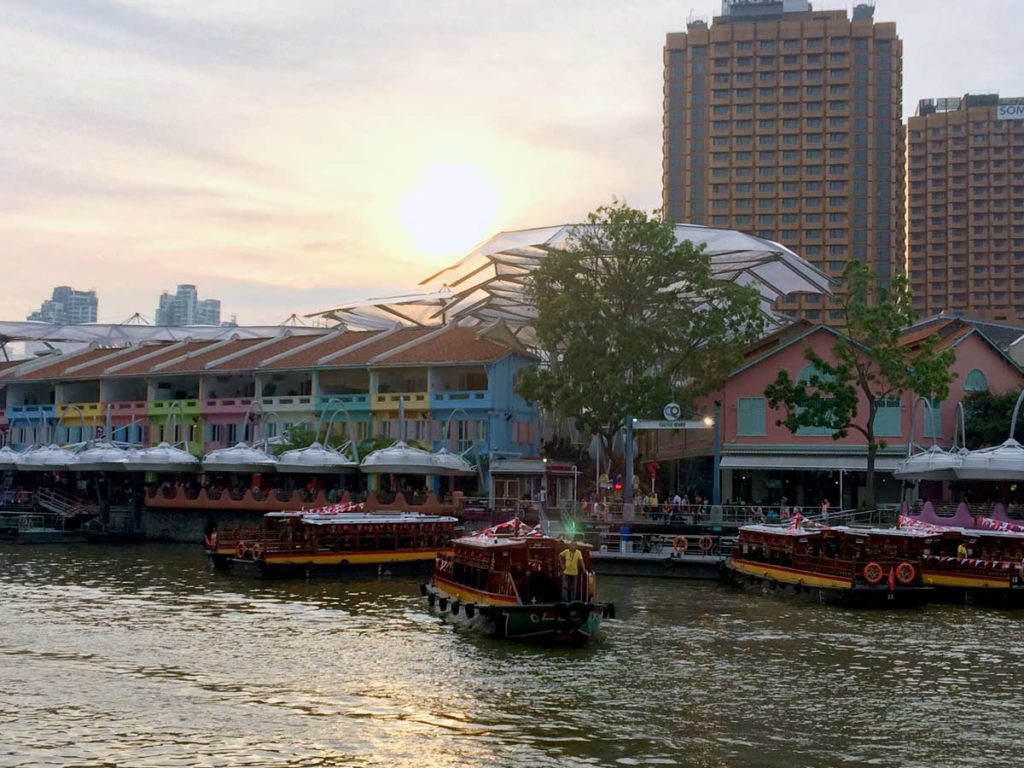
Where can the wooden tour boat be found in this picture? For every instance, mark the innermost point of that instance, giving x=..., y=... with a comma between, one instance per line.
x=328, y=541
x=973, y=565
x=507, y=582
x=855, y=567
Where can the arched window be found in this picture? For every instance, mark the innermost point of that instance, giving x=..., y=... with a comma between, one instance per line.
x=976, y=381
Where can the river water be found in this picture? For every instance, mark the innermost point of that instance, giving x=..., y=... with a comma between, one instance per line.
x=140, y=656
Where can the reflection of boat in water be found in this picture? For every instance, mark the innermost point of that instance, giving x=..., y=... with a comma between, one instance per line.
x=508, y=582
x=331, y=540
x=847, y=566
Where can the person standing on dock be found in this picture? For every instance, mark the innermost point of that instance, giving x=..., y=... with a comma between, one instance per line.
x=572, y=564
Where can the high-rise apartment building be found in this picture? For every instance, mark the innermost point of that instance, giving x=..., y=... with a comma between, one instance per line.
x=965, y=206
x=184, y=308
x=68, y=306
x=786, y=122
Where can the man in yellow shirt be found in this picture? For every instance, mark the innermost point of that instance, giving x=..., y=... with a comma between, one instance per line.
x=961, y=551
x=572, y=567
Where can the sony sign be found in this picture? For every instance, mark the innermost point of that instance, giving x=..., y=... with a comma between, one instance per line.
x=1010, y=112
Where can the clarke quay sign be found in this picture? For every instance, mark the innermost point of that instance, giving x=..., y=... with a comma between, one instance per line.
x=1010, y=112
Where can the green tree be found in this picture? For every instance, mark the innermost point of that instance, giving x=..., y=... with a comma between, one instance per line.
x=629, y=319
x=868, y=361
x=299, y=436
x=987, y=418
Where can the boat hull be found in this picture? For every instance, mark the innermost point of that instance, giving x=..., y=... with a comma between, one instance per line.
x=569, y=623
x=335, y=564
x=826, y=589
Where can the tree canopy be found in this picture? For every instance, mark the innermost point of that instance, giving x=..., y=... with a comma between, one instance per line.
x=869, y=361
x=987, y=418
x=630, y=319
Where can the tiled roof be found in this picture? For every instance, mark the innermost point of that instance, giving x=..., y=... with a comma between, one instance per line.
x=195, y=363
x=251, y=359
x=56, y=369
x=916, y=335
x=455, y=345
x=364, y=354
x=306, y=358
x=171, y=351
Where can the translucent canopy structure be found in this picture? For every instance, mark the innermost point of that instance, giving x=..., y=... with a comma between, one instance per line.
x=488, y=284
x=403, y=459
x=46, y=459
x=9, y=458
x=126, y=333
x=101, y=456
x=162, y=458
x=315, y=459
x=1003, y=462
x=239, y=458
x=932, y=464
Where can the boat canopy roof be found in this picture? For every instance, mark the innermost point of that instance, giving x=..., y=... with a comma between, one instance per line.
x=361, y=518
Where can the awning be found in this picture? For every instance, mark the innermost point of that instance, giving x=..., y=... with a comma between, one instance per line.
x=825, y=463
x=517, y=467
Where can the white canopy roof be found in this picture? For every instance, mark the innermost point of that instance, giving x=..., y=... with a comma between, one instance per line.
x=402, y=458
x=239, y=458
x=9, y=457
x=101, y=456
x=1002, y=462
x=46, y=459
x=932, y=464
x=125, y=333
x=162, y=458
x=487, y=284
x=315, y=458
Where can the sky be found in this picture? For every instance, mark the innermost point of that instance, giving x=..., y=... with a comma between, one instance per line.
x=289, y=156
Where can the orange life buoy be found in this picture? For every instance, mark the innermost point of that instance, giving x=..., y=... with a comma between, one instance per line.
x=873, y=573
x=240, y=550
x=905, y=572
x=707, y=543
x=680, y=545
x=213, y=540
x=257, y=551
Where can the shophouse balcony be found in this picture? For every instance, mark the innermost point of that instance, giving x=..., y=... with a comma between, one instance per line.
x=470, y=398
x=287, y=403
x=188, y=407
x=128, y=409
x=31, y=411
x=390, y=401
x=226, y=405
x=354, y=402
x=74, y=412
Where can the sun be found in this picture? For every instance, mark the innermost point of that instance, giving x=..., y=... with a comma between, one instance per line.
x=451, y=207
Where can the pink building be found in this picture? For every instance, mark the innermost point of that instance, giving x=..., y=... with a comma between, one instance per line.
x=762, y=461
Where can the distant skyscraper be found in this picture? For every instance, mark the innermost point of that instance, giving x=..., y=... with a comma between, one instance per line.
x=185, y=308
x=965, y=206
x=785, y=122
x=68, y=307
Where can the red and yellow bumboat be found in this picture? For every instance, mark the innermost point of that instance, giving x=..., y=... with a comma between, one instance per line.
x=356, y=543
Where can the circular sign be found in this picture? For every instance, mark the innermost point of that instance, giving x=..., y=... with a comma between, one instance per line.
x=672, y=412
